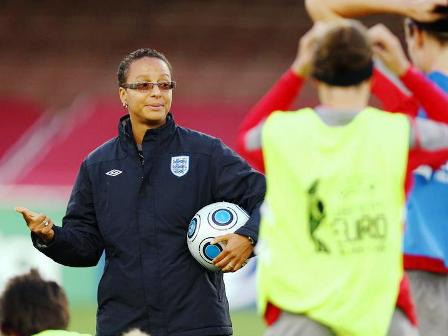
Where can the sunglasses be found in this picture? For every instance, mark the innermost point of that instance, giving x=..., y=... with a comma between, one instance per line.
x=148, y=86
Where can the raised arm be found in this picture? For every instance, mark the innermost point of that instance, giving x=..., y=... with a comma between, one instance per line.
x=430, y=97
x=420, y=10
x=279, y=98
x=392, y=97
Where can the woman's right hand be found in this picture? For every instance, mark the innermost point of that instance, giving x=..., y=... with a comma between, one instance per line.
x=39, y=224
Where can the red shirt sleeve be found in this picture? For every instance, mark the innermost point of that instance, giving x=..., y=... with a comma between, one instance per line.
x=433, y=99
x=279, y=97
x=434, y=159
x=425, y=94
x=392, y=98
x=419, y=156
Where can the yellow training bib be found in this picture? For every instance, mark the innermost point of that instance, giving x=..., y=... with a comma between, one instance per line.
x=331, y=230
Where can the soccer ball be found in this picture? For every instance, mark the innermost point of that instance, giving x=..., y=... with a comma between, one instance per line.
x=213, y=220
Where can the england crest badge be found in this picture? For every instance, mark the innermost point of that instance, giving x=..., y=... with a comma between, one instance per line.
x=180, y=165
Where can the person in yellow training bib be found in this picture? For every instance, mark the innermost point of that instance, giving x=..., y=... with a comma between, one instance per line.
x=31, y=305
x=331, y=229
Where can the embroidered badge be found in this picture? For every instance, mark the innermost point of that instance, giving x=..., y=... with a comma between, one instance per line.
x=180, y=165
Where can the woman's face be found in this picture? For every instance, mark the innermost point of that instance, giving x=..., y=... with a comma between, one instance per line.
x=415, y=41
x=410, y=30
x=148, y=106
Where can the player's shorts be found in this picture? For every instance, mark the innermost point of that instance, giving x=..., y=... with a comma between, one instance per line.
x=300, y=325
x=430, y=294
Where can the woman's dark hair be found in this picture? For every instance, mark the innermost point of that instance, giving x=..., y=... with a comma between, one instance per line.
x=126, y=62
x=438, y=29
x=343, y=55
x=30, y=305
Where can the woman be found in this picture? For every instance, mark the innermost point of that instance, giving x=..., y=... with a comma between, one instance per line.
x=325, y=302
x=134, y=197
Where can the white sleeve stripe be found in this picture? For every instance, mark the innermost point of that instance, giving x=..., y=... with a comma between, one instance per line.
x=432, y=135
x=253, y=138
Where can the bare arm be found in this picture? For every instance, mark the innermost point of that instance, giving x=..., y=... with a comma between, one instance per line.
x=279, y=97
x=421, y=10
x=388, y=48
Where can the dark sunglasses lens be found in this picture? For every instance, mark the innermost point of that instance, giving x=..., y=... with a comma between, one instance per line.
x=165, y=85
x=145, y=86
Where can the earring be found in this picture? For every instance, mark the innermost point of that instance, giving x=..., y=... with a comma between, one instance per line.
x=125, y=105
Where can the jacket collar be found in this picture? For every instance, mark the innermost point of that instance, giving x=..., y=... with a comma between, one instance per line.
x=161, y=133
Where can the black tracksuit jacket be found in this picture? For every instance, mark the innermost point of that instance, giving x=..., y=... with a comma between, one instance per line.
x=139, y=213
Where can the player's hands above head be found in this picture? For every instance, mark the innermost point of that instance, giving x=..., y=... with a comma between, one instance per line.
x=237, y=250
x=40, y=224
x=425, y=10
x=388, y=48
x=302, y=65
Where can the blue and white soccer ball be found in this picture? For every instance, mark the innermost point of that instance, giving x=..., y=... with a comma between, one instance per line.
x=213, y=220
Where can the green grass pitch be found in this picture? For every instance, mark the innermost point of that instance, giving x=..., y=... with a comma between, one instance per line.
x=245, y=323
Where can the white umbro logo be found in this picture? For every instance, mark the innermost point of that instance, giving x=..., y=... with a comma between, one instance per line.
x=114, y=172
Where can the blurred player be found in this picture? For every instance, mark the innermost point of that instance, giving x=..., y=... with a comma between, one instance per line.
x=33, y=306
x=283, y=93
x=426, y=242
x=426, y=245
x=342, y=70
